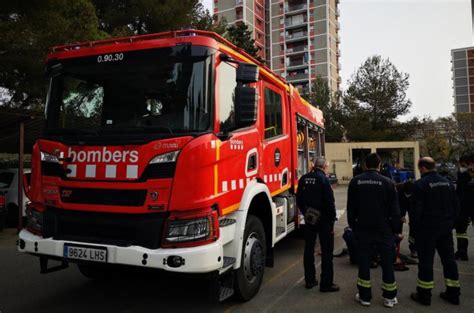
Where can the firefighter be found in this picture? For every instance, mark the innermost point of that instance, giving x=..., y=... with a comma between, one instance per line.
x=315, y=195
x=434, y=212
x=405, y=200
x=464, y=192
x=374, y=215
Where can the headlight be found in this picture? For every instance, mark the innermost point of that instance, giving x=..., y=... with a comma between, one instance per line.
x=165, y=158
x=34, y=220
x=188, y=230
x=46, y=157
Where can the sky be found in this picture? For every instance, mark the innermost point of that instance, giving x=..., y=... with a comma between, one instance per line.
x=416, y=35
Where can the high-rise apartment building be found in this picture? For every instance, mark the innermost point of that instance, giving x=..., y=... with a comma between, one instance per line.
x=463, y=79
x=298, y=38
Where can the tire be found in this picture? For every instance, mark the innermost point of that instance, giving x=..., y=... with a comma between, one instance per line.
x=12, y=215
x=248, y=277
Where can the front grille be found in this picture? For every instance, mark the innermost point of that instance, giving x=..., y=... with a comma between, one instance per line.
x=122, y=230
x=118, y=197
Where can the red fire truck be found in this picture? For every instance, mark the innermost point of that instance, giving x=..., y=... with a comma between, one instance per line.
x=176, y=151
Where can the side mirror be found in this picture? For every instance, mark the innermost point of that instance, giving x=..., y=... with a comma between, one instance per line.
x=247, y=73
x=246, y=99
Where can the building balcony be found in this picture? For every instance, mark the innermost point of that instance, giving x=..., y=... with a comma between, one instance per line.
x=289, y=24
x=295, y=8
x=294, y=65
x=296, y=36
x=297, y=77
x=338, y=12
x=296, y=50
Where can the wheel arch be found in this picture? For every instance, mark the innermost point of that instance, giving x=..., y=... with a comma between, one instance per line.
x=256, y=201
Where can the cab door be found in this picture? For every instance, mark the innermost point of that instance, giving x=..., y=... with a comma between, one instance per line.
x=276, y=141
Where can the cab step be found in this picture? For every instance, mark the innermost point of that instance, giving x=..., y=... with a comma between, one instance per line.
x=228, y=261
x=222, y=287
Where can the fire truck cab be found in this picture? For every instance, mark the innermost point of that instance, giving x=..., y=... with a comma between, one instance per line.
x=176, y=151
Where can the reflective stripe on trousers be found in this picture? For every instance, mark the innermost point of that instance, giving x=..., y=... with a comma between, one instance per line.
x=425, y=284
x=461, y=235
x=363, y=283
x=389, y=287
x=452, y=283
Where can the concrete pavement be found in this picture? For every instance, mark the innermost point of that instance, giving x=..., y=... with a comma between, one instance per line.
x=23, y=289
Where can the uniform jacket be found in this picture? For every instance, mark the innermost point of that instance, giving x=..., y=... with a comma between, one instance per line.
x=372, y=203
x=465, y=192
x=314, y=190
x=436, y=203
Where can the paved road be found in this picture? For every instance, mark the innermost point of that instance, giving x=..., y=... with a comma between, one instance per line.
x=23, y=289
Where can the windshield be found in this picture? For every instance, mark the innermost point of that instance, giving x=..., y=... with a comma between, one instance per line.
x=155, y=91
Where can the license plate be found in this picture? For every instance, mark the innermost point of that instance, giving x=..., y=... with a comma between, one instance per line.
x=86, y=253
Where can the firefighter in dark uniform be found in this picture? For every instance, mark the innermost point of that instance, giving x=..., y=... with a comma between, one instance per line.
x=405, y=200
x=315, y=193
x=464, y=191
x=434, y=212
x=374, y=215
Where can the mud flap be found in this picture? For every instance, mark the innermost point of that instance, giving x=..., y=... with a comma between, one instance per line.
x=44, y=265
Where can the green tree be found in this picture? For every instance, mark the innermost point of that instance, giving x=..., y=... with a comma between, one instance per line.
x=322, y=97
x=28, y=29
x=464, y=131
x=379, y=90
x=136, y=17
x=202, y=19
x=240, y=35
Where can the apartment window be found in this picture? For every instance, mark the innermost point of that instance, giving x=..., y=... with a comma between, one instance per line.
x=459, y=55
x=227, y=84
x=273, y=118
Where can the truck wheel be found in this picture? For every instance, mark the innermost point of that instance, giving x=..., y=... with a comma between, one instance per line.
x=92, y=271
x=250, y=273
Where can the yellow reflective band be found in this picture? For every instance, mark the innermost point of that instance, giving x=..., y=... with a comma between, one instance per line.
x=425, y=284
x=363, y=283
x=461, y=235
x=389, y=287
x=452, y=283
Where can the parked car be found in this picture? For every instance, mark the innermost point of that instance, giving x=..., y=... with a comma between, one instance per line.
x=9, y=187
x=3, y=211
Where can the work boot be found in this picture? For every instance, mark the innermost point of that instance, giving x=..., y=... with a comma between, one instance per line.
x=332, y=288
x=451, y=299
x=416, y=297
x=358, y=299
x=461, y=256
x=311, y=284
x=390, y=303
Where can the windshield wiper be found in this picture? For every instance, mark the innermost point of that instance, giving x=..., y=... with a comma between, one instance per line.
x=157, y=128
x=140, y=129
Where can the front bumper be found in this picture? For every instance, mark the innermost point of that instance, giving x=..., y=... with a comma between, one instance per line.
x=201, y=259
